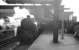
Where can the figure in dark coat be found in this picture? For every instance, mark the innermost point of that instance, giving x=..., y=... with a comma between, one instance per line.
x=26, y=31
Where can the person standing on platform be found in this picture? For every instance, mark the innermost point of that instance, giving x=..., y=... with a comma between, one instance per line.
x=26, y=32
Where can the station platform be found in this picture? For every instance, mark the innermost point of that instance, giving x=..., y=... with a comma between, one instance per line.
x=44, y=42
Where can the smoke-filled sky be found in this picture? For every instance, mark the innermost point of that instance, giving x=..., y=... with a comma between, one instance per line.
x=73, y=5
